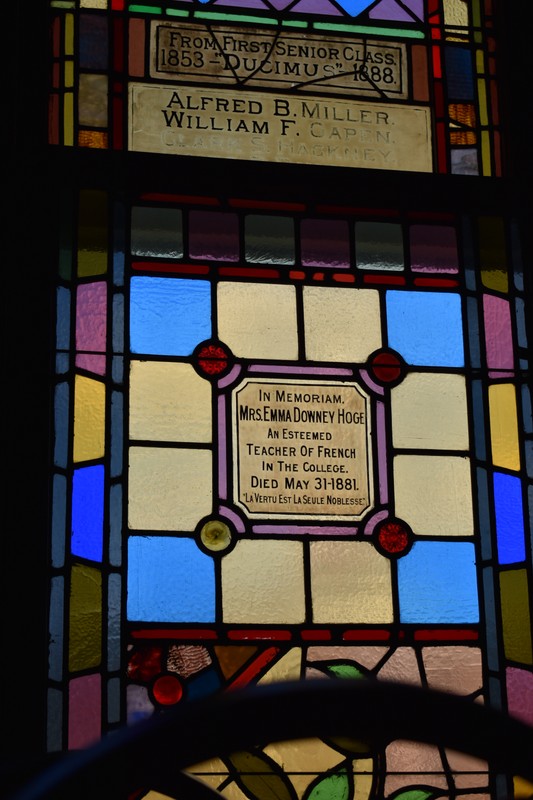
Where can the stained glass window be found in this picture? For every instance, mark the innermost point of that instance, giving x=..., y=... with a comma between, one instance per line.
x=291, y=415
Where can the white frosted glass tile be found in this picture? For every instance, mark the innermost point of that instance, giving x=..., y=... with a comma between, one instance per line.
x=434, y=494
x=453, y=669
x=169, y=488
x=341, y=324
x=258, y=320
x=350, y=583
x=263, y=582
x=430, y=411
x=169, y=402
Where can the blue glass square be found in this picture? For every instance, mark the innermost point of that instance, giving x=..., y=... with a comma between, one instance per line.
x=426, y=328
x=169, y=316
x=437, y=584
x=169, y=580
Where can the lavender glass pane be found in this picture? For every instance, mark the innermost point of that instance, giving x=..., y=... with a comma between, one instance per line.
x=213, y=236
x=91, y=317
x=389, y=9
x=498, y=334
x=325, y=243
x=316, y=7
x=93, y=42
x=379, y=245
x=509, y=518
x=433, y=249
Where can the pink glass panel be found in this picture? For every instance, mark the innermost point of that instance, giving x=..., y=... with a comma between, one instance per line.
x=324, y=243
x=520, y=694
x=498, y=334
x=213, y=236
x=85, y=724
x=91, y=326
x=433, y=249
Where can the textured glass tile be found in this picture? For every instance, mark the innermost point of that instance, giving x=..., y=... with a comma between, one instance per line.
x=389, y=9
x=88, y=512
x=504, y=426
x=89, y=419
x=84, y=717
x=92, y=233
x=350, y=583
x=459, y=73
x=169, y=316
x=433, y=248
x=509, y=520
x=455, y=13
x=464, y=161
x=426, y=327
x=156, y=232
x=341, y=324
x=287, y=668
x=258, y=320
x=437, y=583
x=169, y=402
x=444, y=479
x=263, y=582
x=520, y=693
x=325, y=243
x=169, y=488
x=498, y=333
x=269, y=239
x=430, y=410
x=516, y=616
x=214, y=236
x=169, y=580
x=85, y=618
x=93, y=44
x=93, y=100
x=453, y=668
x=91, y=326
x=493, y=254
x=379, y=245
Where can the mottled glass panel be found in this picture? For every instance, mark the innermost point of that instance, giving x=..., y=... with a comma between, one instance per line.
x=325, y=243
x=85, y=618
x=258, y=320
x=169, y=316
x=379, y=246
x=88, y=512
x=89, y=419
x=214, y=236
x=170, y=580
x=433, y=248
x=446, y=479
x=341, y=325
x=509, y=518
x=504, y=426
x=156, y=232
x=93, y=52
x=169, y=488
x=93, y=233
x=169, y=402
x=263, y=582
x=269, y=239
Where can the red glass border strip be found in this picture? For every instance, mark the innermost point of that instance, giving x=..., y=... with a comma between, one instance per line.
x=161, y=197
x=173, y=633
x=267, y=205
x=276, y=634
x=154, y=266
x=440, y=635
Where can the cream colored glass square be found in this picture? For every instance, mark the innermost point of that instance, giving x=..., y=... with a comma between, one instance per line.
x=429, y=411
x=169, y=488
x=258, y=320
x=263, y=582
x=350, y=583
x=169, y=402
x=434, y=494
x=341, y=324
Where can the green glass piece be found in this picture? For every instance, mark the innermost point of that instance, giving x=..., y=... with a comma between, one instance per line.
x=146, y=9
x=176, y=12
x=85, y=640
x=235, y=18
x=332, y=786
x=260, y=777
x=415, y=794
x=292, y=23
x=345, y=671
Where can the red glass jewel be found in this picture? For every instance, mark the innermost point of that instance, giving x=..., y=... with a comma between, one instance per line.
x=386, y=367
x=144, y=663
x=167, y=690
x=393, y=538
x=212, y=359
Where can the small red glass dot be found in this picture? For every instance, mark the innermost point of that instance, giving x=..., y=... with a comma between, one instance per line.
x=167, y=690
x=212, y=359
x=386, y=367
x=393, y=538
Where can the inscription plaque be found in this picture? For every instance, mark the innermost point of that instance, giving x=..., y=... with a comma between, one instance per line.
x=302, y=448
x=277, y=59
x=225, y=123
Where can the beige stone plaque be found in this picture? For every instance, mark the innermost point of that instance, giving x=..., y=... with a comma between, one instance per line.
x=277, y=59
x=302, y=448
x=251, y=125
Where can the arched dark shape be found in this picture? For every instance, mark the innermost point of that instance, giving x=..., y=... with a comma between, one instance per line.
x=152, y=754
